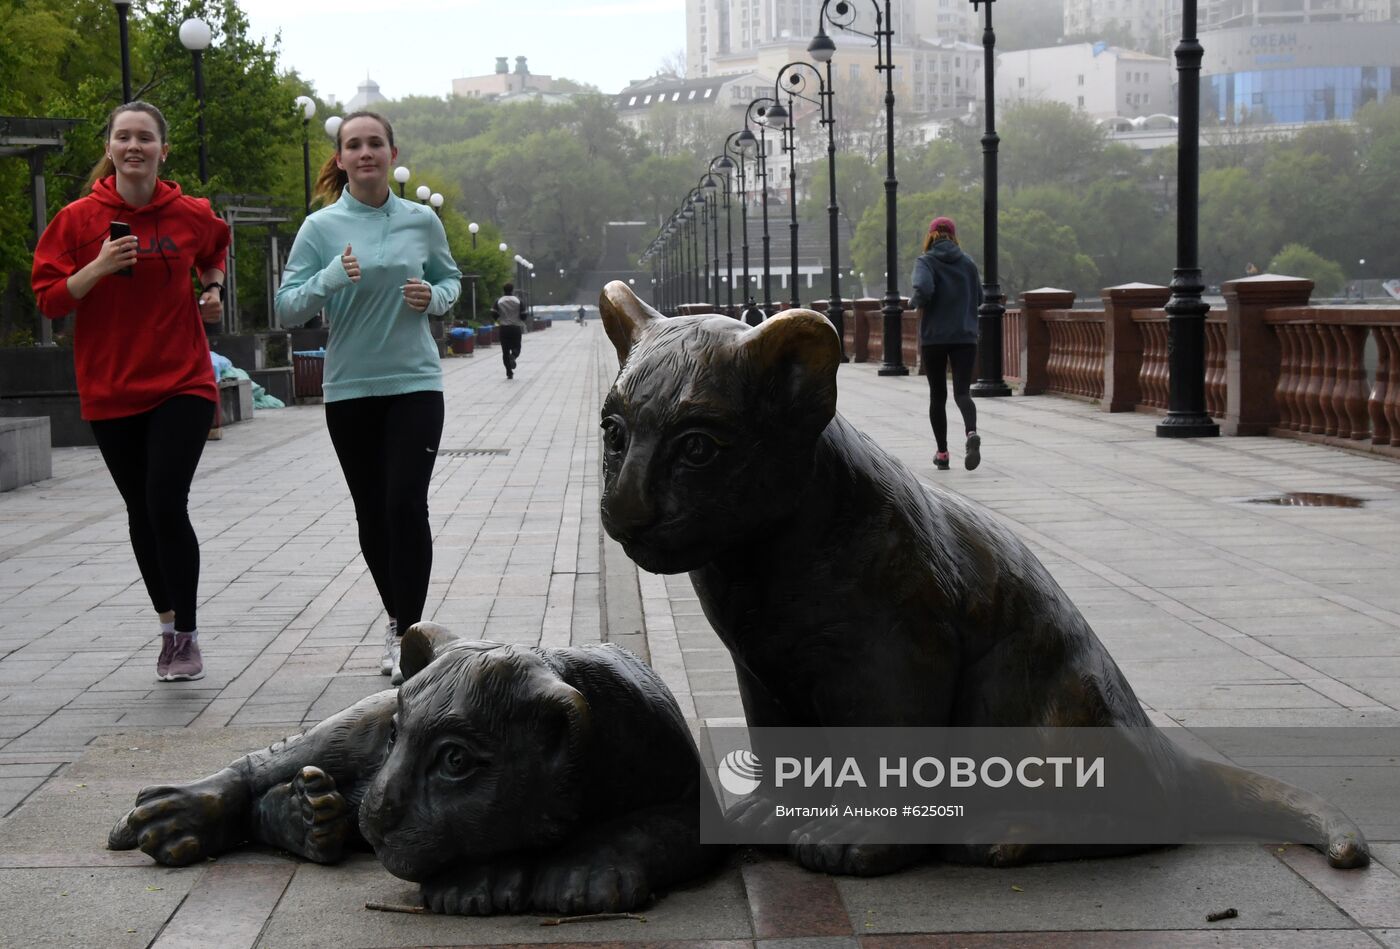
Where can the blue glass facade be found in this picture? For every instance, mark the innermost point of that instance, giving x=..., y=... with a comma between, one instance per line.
x=1303, y=94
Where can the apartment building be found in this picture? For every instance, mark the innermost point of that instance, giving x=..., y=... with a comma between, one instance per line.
x=1103, y=81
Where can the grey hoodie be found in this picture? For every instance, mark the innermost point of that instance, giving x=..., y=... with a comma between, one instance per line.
x=948, y=288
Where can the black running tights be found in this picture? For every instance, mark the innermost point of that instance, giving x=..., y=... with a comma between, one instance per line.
x=152, y=458
x=961, y=356
x=387, y=446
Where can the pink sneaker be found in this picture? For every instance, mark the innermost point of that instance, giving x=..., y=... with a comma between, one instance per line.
x=167, y=650
x=186, y=663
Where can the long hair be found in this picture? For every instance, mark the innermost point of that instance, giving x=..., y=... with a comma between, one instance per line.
x=332, y=179
x=934, y=236
x=105, y=167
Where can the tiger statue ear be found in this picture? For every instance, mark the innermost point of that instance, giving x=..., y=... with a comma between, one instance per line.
x=797, y=352
x=425, y=641
x=625, y=316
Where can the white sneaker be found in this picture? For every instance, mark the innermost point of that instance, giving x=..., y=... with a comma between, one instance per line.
x=389, y=665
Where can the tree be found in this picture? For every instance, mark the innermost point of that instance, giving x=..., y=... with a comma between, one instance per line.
x=1235, y=225
x=1295, y=260
x=1036, y=251
x=1049, y=143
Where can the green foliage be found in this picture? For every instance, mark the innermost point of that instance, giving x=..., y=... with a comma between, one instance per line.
x=1295, y=260
x=1050, y=143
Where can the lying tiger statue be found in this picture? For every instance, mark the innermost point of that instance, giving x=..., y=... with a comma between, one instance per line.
x=503, y=779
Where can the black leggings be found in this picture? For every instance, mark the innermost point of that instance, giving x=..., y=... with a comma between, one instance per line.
x=510, y=344
x=961, y=356
x=387, y=446
x=152, y=458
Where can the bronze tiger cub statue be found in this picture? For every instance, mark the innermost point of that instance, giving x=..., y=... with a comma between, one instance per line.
x=850, y=594
x=503, y=779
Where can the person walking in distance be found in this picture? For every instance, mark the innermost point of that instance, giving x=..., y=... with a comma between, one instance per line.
x=380, y=266
x=512, y=323
x=120, y=258
x=947, y=293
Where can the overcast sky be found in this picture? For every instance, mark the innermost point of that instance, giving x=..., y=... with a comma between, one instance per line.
x=417, y=47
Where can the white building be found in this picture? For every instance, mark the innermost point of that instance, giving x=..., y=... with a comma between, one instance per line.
x=714, y=94
x=1104, y=81
x=366, y=97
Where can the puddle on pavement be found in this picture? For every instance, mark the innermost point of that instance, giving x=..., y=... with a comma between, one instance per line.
x=1308, y=499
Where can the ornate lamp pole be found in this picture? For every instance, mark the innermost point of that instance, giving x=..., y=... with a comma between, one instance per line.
x=703, y=215
x=725, y=165
x=731, y=142
x=709, y=187
x=307, y=107
x=124, y=37
x=821, y=49
x=747, y=141
x=778, y=113
x=1186, y=311
x=841, y=15
x=991, y=313
x=195, y=36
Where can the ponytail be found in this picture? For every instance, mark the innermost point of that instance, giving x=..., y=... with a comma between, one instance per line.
x=105, y=167
x=332, y=179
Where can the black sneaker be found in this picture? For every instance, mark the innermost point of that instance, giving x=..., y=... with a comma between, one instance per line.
x=940, y=461
x=973, y=458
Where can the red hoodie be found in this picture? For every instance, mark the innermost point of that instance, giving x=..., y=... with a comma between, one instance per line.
x=137, y=340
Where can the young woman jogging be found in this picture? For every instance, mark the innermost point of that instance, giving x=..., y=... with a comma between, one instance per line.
x=380, y=266
x=121, y=258
x=947, y=293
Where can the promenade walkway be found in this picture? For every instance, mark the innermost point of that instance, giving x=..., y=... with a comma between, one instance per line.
x=1220, y=610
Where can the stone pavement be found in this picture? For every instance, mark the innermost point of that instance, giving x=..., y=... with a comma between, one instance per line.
x=1220, y=611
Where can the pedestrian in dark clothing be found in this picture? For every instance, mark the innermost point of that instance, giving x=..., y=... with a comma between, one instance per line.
x=512, y=324
x=947, y=293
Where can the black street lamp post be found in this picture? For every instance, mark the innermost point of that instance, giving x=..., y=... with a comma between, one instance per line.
x=703, y=221
x=725, y=165
x=991, y=314
x=821, y=51
x=747, y=140
x=780, y=113
x=1186, y=312
x=307, y=107
x=841, y=14
x=124, y=37
x=732, y=142
x=709, y=187
x=401, y=176
x=196, y=35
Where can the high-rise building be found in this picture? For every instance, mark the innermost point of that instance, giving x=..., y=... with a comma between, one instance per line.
x=1155, y=25
x=719, y=28
x=936, y=68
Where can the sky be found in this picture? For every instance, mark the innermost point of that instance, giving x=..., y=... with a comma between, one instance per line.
x=417, y=47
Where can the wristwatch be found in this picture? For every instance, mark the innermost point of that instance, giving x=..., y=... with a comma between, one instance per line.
x=223, y=294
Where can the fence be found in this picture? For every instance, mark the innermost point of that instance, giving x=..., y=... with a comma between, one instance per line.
x=1274, y=365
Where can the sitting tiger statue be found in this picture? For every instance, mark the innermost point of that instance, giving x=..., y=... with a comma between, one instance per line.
x=849, y=594
x=503, y=779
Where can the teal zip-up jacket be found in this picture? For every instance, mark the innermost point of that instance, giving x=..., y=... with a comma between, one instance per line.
x=379, y=345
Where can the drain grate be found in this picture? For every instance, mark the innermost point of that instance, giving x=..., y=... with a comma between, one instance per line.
x=470, y=452
x=1308, y=499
